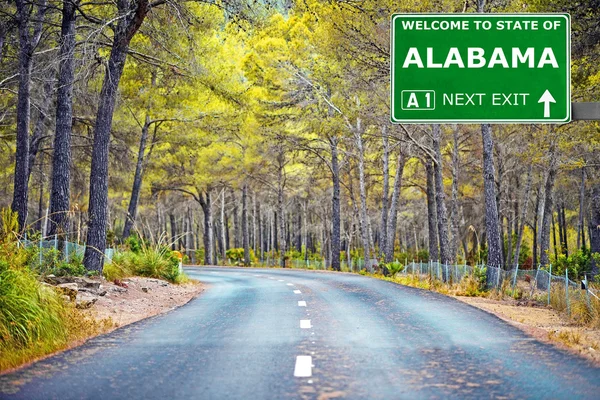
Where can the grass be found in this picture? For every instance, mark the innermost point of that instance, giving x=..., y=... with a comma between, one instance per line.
x=35, y=320
x=149, y=261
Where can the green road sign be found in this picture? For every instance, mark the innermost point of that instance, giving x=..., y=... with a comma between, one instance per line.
x=467, y=68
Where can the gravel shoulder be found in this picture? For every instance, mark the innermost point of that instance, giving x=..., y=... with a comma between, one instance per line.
x=543, y=323
x=142, y=298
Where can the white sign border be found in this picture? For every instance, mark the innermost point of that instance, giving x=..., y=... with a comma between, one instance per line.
x=566, y=120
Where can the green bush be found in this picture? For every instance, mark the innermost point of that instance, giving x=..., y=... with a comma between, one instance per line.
x=395, y=268
x=578, y=264
x=34, y=318
x=134, y=243
x=54, y=263
x=153, y=262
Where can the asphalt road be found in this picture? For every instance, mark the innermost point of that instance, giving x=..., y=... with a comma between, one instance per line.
x=276, y=334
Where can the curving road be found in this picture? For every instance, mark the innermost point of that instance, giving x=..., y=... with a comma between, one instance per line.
x=276, y=334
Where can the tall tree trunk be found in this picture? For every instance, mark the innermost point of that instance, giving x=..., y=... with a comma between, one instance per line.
x=594, y=225
x=223, y=239
x=261, y=233
x=137, y=181
x=580, y=226
x=206, y=204
x=548, y=207
x=493, y=232
x=61, y=160
x=492, y=227
x=523, y=217
x=173, y=231
x=132, y=13
x=27, y=44
x=554, y=241
x=440, y=200
x=364, y=223
x=432, y=212
x=40, y=124
x=385, y=195
x=454, y=208
x=253, y=236
x=535, y=228
x=393, y=210
x=564, y=243
x=280, y=211
x=40, y=215
x=335, y=206
x=509, y=231
x=245, y=233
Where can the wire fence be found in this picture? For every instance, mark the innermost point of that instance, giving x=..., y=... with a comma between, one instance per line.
x=69, y=250
x=540, y=284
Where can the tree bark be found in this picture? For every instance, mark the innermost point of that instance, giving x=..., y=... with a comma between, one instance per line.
x=132, y=14
x=245, y=234
x=280, y=214
x=223, y=239
x=523, y=217
x=205, y=203
x=432, y=213
x=137, y=181
x=594, y=226
x=393, y=209
x=440, y=200
x=61, y=160
x=385, y=196
x=173, y=231
x=548, y=208
x=335, y=206
x=580, y=226
x=27, y=44
x=492, y=224
x=40, y=125
x=364, y=224
x=454, y=207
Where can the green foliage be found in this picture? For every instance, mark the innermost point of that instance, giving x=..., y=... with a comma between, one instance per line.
x=34, y=318
x=577, y=263
x=395, y=268
x=155, y=262
x=134, y=243
x=236, y=256
x=410, y=255
x=53, y=263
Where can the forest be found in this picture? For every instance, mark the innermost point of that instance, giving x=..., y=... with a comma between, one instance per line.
x=260, y=130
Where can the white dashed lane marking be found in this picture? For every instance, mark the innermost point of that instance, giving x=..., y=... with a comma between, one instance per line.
x=305, y=324
x=297, y=292
x=303, y=367
x=301, y=304
x=290, y=284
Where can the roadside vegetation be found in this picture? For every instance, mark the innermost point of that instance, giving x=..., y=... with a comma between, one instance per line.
x=36, y=318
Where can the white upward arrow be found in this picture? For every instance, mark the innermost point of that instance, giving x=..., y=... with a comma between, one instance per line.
x=546, y=99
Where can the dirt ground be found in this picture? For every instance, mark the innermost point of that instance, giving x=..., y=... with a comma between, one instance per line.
x=543, y=323
x=142, y=298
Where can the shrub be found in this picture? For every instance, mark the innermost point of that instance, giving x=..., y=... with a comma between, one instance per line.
x=34, y=318
x=395, y=268
x=154, y=262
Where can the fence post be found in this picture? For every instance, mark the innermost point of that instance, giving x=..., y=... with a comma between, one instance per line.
x=515, y=280
x=567, y=291
x=534, y=286
x=549, y=283
x=587, y=294
x=41, y=250
x=498, y=277
x=67, y=248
